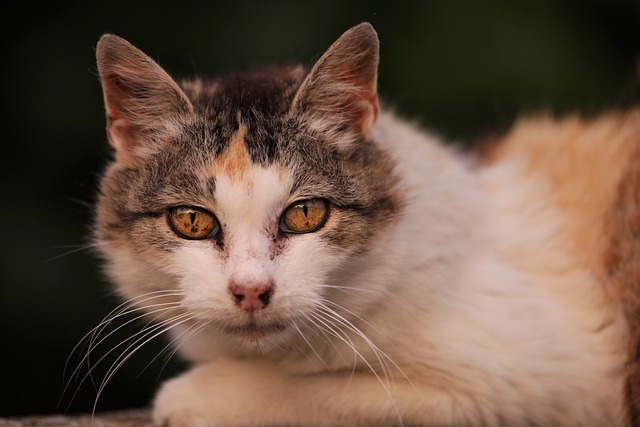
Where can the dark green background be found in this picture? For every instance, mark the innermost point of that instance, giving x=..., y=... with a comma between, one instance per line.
x=459, y=67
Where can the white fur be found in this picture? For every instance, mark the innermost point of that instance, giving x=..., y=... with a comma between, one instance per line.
x=468, y=312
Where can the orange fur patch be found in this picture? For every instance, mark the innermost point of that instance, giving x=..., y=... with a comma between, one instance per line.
x=235, y=161
x=282, y=174
x=593, y=169
x=583, y=163
x=623, y=267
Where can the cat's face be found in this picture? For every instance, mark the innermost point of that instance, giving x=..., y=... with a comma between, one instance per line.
x=242, y=202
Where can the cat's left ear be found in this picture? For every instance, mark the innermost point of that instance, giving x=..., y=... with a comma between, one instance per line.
x=140, y=98
x=340, y=91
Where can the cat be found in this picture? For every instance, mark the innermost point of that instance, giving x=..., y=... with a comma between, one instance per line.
x=322, y=262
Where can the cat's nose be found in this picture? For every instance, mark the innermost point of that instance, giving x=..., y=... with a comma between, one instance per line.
x=251, y=297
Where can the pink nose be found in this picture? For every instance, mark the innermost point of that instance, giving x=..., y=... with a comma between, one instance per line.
x=251, y=297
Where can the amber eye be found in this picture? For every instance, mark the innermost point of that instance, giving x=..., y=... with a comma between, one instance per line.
x=305, y=216
x=192, y=223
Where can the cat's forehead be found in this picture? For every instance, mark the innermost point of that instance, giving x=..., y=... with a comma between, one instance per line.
x=265, y=93
x=244, y=112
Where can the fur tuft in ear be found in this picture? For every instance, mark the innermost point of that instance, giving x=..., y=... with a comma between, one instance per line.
x=140, y=97
x=340, y=91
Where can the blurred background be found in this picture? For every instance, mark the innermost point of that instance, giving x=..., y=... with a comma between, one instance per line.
x=462, y=68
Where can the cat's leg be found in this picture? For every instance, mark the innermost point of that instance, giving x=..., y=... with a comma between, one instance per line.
x=253, y=392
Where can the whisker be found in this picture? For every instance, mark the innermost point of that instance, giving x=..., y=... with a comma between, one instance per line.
x=348, y=289
x=147, y=335
x=148, y=328
x=340, y=307
x=342, y=337
x=322, y=332
x=195, y=329
x=310, y=345
x=171, y=347
x=129, y=307
x=381, y=357
x=72, y=249
x=376, y=351
x=146, y=311
x=123, y=309
x=369, y=342
x=93, y=366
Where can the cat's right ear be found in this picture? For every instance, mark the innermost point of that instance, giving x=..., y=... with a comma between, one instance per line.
x=139, y=96
x=339, y=95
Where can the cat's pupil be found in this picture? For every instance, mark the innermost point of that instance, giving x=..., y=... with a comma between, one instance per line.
x=305, y=216
x=192, y=223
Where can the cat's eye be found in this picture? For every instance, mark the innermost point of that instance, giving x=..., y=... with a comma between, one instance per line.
x=305, y=216
x=192, y=223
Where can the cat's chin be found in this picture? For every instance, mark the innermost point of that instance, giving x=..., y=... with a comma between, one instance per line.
x=258, y=334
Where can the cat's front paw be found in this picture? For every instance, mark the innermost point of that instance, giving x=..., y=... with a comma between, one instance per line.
x=175, y=406
x=180, y=418
x=223, y=392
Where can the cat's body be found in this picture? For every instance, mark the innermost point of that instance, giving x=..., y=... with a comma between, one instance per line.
x=325, y=263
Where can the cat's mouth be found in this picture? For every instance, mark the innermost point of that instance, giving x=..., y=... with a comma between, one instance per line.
x=254, y=330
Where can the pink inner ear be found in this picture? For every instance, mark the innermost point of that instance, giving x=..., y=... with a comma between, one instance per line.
x=120, y=131
x=121, y=135
x=361, y=105
x=367, y=105
x=369, y=116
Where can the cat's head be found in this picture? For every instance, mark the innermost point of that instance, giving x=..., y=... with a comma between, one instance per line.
x=243, y=203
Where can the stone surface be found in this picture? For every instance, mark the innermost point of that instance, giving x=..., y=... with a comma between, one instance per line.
x=131, y=418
